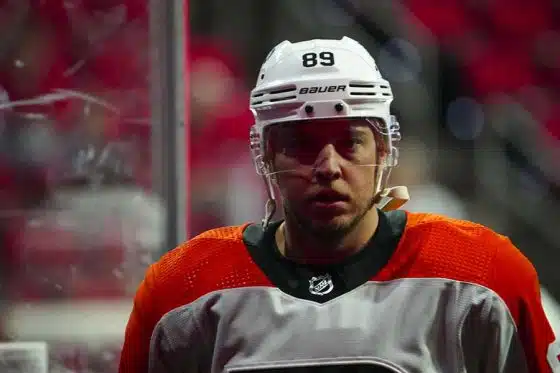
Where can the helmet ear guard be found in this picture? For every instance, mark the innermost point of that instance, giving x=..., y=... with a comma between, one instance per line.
x=257, y=154
x=262, y=168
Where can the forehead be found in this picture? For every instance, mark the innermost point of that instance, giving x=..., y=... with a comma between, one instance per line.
x=323, y=127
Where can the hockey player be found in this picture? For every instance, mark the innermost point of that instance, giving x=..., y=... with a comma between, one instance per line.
x=345, y=282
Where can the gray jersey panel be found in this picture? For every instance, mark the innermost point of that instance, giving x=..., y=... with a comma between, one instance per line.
x=407, y=325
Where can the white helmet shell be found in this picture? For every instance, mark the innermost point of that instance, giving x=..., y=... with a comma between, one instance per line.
x=319, y=78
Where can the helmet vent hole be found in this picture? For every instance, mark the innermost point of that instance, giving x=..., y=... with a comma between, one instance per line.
x=361, y=85
x=338, y=107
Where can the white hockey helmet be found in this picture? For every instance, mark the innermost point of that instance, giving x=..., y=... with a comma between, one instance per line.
x=321, y=79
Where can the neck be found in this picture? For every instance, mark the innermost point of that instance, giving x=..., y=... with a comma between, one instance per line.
x=303, y=246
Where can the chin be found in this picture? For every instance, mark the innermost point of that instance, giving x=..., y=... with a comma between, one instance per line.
x=327, y=223
x=333, y=225
x=336, y=224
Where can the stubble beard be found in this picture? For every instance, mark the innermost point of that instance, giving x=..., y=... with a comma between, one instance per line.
x=328, y=232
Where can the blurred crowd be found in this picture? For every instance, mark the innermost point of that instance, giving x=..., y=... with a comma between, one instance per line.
x=74, y=121
x=79, y=219
x=504, y=47
x=501, y=70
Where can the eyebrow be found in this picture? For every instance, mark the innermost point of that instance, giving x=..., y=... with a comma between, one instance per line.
x=360, y=130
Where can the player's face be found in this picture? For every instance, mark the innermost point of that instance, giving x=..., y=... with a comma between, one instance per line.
x=325, y=172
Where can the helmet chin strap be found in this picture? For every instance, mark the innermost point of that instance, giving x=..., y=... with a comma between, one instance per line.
x=270, y=206
x=395, y=198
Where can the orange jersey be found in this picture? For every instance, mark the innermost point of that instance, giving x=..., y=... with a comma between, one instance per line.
x=443, y=295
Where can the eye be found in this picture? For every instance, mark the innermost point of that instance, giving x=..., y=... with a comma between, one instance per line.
x=357, y=140
x=351, y=143
x=294, y=144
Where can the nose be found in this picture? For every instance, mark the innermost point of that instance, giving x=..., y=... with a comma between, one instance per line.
x=327, y=165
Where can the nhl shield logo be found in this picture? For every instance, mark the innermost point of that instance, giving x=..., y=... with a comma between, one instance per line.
x=321, y=285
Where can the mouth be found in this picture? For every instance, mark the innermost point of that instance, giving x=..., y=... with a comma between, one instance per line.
x=328, y=197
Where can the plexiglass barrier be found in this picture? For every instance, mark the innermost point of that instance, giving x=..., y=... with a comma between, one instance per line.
x=79, y=218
